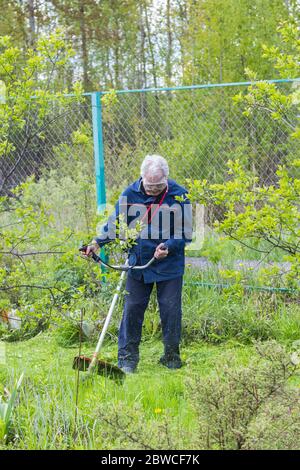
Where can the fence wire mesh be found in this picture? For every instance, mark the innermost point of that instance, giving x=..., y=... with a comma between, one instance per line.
x=47, y=142
x=197, y=130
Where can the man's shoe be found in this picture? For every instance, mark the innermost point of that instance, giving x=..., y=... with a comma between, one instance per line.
x=128, y=369
x=171, y=358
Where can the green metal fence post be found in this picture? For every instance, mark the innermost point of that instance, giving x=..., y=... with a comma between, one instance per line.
x=99, y=159
x=98, y=151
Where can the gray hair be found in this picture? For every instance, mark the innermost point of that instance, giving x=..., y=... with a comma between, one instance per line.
x=154, y=164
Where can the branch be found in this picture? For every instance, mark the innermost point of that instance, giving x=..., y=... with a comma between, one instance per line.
x=32, y=253
x=291, y=126
x=32, y=286
x=243, y=243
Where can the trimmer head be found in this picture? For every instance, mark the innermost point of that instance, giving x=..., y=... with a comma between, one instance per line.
x=82, y=363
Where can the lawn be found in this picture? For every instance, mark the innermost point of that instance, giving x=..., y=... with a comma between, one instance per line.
x=226, y=388
x=45, y=416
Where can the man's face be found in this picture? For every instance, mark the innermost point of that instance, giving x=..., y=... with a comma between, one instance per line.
x=154, y=184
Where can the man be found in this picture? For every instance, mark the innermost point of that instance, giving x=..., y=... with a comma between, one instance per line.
x=167, y=228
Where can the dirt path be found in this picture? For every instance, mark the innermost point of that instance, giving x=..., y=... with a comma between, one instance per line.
x=204, y=263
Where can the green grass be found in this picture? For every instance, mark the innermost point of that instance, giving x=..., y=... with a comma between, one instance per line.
x=45, y=416
x=153, y=406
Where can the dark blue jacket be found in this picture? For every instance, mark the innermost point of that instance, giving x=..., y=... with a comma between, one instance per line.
x=132, y=203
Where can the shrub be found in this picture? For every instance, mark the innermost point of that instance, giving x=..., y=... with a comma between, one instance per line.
x=231, y=403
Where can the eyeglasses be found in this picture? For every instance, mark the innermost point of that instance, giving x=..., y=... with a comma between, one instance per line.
x=155, y=186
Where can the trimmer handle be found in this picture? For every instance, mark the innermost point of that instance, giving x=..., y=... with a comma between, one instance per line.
x=94, y=256
x=124, y=267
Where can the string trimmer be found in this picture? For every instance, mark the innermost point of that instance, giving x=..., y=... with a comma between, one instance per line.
x=94, y=364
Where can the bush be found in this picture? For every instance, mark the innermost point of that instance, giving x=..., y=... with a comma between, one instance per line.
x=234, y=400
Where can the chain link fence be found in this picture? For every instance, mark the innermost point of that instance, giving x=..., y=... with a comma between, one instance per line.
x=198, y=129
x=48, y=143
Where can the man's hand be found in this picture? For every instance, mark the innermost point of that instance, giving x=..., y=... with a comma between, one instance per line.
x=161, y=251
x=92, y=248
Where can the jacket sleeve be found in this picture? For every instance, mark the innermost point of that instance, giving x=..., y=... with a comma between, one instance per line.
x=183, y=230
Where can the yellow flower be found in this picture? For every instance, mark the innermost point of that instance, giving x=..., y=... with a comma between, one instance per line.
x=157, y=410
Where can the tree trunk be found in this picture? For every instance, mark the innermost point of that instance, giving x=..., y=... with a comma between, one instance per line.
x=32, y=25
x=151, y=48
x=117, y=83
x=142, y=77
x=170, y=45
x=84, y=51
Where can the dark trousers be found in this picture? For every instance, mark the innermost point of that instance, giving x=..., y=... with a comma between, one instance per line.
x=136, y=302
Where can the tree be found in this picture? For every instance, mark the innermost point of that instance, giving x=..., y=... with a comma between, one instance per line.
x=224, y=37
x=31, y=84
x=265, y=217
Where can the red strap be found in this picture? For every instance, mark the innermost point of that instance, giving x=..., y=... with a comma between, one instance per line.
x=156, y=209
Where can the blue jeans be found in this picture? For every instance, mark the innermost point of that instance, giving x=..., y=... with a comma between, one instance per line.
x=136, y=302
